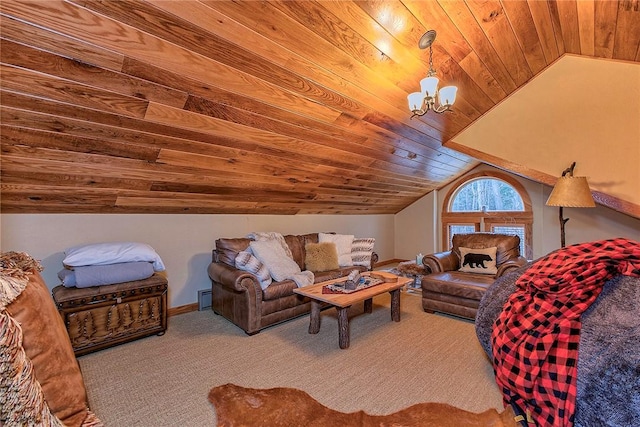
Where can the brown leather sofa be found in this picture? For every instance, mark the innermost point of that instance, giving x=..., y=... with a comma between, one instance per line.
x=449, y=290
x=237, y=295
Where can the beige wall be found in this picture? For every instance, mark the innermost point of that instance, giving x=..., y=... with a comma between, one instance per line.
x=184, y=242
x=415, y=228
x=579, y=109
x=584, y=224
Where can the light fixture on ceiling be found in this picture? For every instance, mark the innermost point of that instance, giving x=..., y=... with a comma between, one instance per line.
x=570, y=192
x=425, y=100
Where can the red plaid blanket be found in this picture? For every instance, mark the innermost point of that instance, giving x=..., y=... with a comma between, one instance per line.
x=535, y=338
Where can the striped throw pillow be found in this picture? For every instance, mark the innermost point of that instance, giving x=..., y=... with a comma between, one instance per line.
x=361, y=250
x=245, y=261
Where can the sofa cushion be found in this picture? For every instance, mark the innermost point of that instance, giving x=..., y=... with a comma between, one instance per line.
x=227, y=249
x=279, y=290
x=465, y=285
x=271, y=254
x=343, y=245
x=296, y=247
x=481, y=261
x=321, y=256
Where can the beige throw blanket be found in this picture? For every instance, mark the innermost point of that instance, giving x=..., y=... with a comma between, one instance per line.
x=271, y=235
x=302, y=278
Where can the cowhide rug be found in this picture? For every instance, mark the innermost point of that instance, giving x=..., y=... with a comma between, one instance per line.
x=239, y=406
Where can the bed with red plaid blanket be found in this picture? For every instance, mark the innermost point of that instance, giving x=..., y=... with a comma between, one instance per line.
x=535, y=338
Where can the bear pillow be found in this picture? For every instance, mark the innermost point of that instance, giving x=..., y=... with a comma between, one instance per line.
x=481, y=261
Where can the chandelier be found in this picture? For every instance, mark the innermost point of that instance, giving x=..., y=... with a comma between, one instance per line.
x=425, y=100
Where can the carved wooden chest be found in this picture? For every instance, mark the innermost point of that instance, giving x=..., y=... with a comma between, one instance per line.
x=103, y=316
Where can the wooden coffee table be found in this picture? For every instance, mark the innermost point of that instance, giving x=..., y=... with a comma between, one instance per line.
x=343, y=301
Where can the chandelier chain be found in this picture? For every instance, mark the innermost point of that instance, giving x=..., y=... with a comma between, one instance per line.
x=431, y=70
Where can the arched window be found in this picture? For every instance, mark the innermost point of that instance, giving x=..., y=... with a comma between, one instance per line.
x=491, y=202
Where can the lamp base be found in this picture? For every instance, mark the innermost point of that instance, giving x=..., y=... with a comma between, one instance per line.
x=563, y=221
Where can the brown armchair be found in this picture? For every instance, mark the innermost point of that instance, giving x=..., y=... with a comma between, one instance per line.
x=449, y=290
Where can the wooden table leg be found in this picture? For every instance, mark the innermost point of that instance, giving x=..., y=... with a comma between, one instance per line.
x=343, y=327
x=314, y=322
x=395, y=305
x=368, y=305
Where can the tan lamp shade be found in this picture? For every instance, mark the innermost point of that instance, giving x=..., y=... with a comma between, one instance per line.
x=571, y=192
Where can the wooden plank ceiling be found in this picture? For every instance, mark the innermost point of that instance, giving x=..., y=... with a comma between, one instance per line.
x=291, y=107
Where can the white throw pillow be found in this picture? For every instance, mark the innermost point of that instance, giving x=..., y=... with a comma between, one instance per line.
x=343, y=245
x=111, y=253
x=246, y=262
x=271, y=254
x=361, y=250
x=481, y=261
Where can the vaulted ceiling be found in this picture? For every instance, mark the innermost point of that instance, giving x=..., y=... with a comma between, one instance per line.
x=290, y=107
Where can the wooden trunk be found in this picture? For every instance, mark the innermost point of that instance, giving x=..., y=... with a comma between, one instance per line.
x=103, y=316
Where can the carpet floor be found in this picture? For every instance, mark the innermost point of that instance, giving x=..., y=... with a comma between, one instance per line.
x=165, y=380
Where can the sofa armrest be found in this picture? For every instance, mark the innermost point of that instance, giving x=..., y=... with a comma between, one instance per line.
x=510, y=265
x=232, y=278
x=441, y=261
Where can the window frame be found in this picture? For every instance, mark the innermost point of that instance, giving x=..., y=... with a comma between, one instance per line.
x=484, y=221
